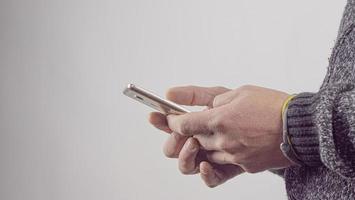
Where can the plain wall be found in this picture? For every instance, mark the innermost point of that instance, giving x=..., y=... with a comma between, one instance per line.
x=66, y=130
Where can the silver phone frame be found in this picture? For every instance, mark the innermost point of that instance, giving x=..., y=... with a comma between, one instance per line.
x=154, y=101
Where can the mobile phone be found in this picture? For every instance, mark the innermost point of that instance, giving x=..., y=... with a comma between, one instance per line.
x=154, y=101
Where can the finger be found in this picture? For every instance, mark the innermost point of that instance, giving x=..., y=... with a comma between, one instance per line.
x=207, y=141
x=221, y=158
x=193, y=95
x=224, y=98
x=187, y=157
x=191, y=123
x=210, y=176
x=173, y=145
x=159, y=121
x=218, y=174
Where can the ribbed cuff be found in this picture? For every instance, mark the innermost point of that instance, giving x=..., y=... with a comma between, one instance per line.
x=302, y=129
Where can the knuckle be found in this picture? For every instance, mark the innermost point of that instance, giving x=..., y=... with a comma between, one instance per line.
x=169, y=152
x=218, y=123
x=223, y=145
x=184, y=168
x=184, y=127
x=246, y=87
x=245, y=143
x=216, y=101
x=220, y=88
x=232, y=146
x=186, y=165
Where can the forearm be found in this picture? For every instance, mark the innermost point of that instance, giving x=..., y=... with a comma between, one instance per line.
x=322, y=125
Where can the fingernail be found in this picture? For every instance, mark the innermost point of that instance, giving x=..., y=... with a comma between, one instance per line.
x=202, y=171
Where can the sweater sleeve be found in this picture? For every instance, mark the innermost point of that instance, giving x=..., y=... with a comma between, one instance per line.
x=321, y=125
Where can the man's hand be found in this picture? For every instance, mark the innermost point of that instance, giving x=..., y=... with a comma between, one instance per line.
x=241, y=131
x=178, y=146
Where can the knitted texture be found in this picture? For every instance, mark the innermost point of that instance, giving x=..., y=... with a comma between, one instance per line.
x=322, y=127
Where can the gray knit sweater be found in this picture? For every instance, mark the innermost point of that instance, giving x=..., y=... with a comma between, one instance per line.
x=322, y=126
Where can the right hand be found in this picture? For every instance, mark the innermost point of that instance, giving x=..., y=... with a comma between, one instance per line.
x=187, y=149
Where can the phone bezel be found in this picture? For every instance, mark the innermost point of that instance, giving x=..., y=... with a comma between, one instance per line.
x=154, y=101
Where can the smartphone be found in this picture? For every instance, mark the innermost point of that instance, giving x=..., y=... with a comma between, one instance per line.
x=154, y=101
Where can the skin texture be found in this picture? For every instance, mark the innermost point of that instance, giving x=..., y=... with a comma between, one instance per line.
x=239, y=131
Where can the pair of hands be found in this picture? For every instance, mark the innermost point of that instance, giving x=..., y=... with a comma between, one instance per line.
x=240, y=131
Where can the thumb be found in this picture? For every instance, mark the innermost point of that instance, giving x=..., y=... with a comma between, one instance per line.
x=194, y=95
x=214, y=175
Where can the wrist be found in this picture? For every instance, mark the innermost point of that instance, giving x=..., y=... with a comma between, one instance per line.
x=286, y=146
x=302, y=128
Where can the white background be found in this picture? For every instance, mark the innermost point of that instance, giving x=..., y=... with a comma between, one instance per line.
x=66, y=130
